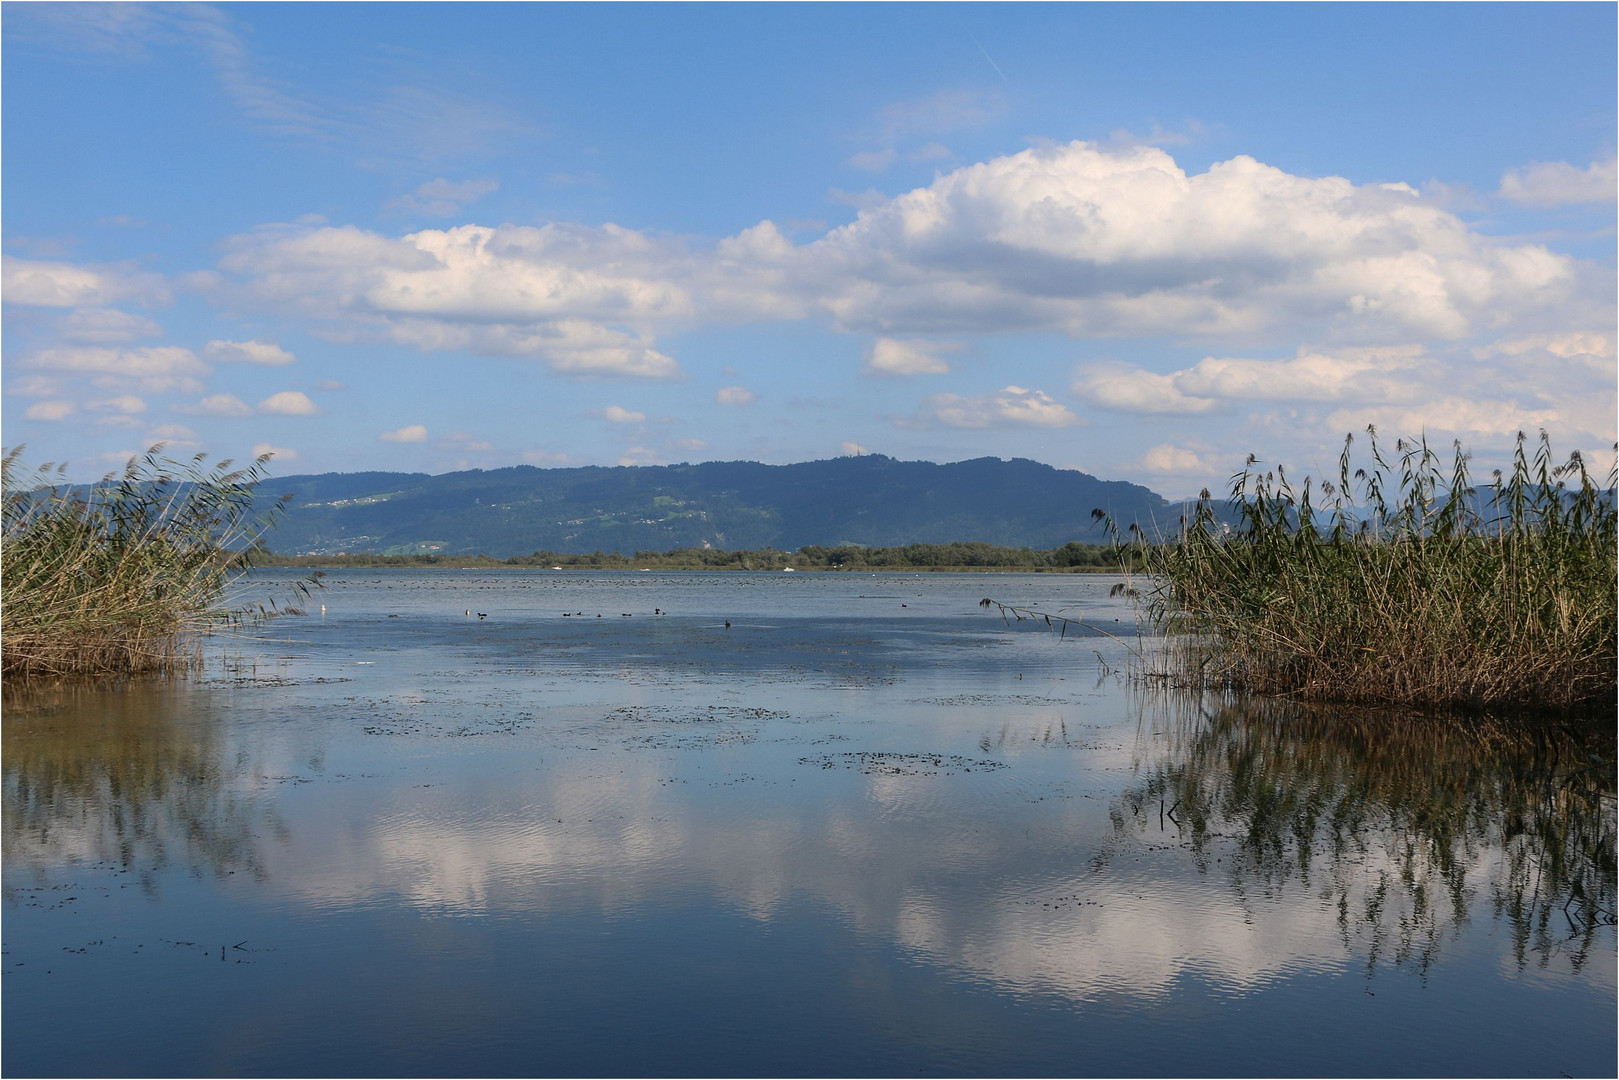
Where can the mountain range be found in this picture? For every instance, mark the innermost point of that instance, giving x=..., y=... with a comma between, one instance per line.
x=869, y=500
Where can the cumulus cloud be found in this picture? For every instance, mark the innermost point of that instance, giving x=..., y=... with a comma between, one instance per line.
x=216, y=405
x=1080, y=239
x=890, y=357
x=1133, y=390
x=105, y=326
x=248, y=352
x=1557, y=183
x=171, y=433
x=62, y=284
x=51, y=410
x=441, y=197
x=1012, y=407
x=1349, y=374
x=124, y=403
x=1097, y=242
x=280, y=453
x=735, y=395
x=560, y=293
x=288, y=403
x=1451, y=415
x=411, y=433
x=614, y=414
x=1171, y=459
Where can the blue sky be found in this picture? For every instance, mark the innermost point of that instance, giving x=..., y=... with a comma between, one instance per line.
x=1143, y=241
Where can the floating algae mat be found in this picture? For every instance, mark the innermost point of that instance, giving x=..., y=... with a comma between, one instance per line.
x=865, y=828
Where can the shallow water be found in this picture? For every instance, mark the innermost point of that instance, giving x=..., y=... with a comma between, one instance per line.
x=868, y=828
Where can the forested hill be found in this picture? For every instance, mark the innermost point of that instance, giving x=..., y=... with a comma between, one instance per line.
x=870, y=500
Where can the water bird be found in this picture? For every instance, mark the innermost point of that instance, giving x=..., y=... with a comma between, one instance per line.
x=483, y=615
x=727, y=624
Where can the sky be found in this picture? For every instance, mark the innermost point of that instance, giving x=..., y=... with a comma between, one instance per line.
x=1141, y=241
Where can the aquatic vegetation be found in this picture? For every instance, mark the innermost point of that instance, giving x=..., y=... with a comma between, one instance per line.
x=117, y=577
x=1399, y=584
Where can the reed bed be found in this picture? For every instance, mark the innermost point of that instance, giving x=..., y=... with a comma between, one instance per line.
x=1400, y=584
x=119, y=577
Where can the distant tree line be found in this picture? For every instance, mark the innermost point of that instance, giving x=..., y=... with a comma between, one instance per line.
x=964, y=555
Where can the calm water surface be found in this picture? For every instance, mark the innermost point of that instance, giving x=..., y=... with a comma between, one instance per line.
x=868, y=828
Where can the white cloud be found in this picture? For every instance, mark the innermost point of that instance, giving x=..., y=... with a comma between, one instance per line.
x=1353, y=374
x=288, y=403
x=690, y=445
x=248, y=352
x=1567, y=345
x=1450, y=415
x=1557, y=183
x=1168, y=458
x=613, y=414
x=1012, y=407
x=1136, y=391
x=1096, y=242
x=890, y=357
x=61, y=284
x=441, y=197
x=735, y=395
x=217, y=405
x=51, y=410
x=106, y=326
x=280, y=453
x=165, y=360
x=329, y=386
x=571, y=347
x=411, y=433
x=1078, y=239
x=171, y=433
x=124, y=403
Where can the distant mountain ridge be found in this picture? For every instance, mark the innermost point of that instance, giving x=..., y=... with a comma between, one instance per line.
x=870, y=500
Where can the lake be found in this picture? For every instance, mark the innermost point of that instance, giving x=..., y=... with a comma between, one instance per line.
x=534, y=822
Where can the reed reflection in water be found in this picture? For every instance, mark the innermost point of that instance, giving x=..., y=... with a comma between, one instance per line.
x=144, y=781
x=1406, y=824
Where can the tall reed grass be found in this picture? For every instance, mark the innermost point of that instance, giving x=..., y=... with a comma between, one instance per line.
x=1401, y=583
x=118, y=577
